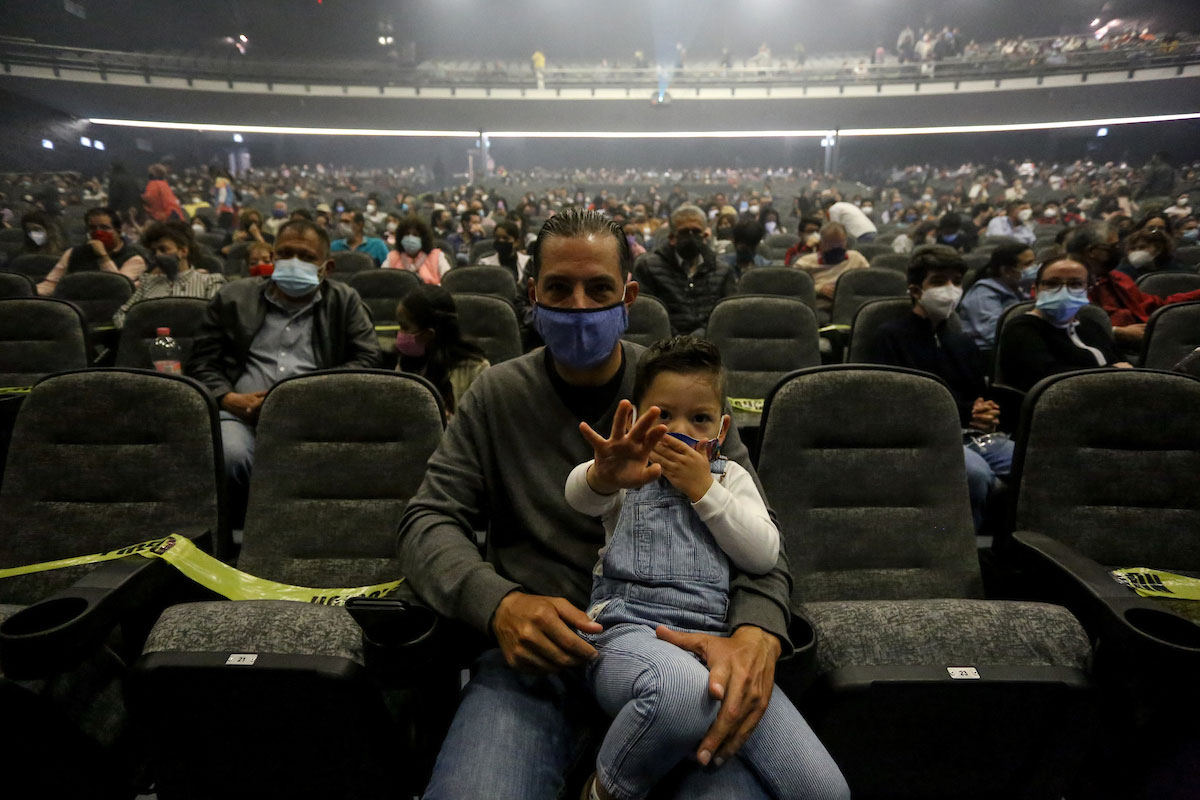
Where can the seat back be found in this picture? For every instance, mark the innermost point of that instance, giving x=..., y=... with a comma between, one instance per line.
x=864, y=468
x=1095, y=313
x=490, y=323
x=977, y=259
x=101, y=459
x=1106, y=462
x=182, y=315
x=382, y=289
x=211, y=239
x=236, y=261
x=332, y=454
x=484, y=247
x=495, y=281
x=1164, y=284
x=858, y=286
x=346, y=264
x=871, y=316
x=870, y=250
x=98, y=294
x=38, y=336
x=762, y=338
x=14, y=284
x=1171, y=334
x=648, y=321
x=32, y=264
x=897, y=262
x=784, y=281
x=775, y=246
x=1188, y=256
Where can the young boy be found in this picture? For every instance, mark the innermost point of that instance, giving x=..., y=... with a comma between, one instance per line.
x=677, y=518
x=260, y=259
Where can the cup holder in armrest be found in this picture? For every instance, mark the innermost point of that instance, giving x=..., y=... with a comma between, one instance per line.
x=45, y=637
x=44, y=616
x=1164, y=626
x=398, y=636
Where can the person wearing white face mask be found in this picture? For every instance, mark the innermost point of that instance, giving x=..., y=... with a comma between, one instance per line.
x=926, y=340
x=1053, y=338
x=258, y=331
x=415, y=252
x=41, y=235
x=1015, y=223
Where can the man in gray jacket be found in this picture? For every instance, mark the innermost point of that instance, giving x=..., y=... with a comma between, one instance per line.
x=502, y=465
x=259, y=331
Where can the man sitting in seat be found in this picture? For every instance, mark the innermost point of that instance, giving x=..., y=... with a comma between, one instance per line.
x=105, y=250
x=259, y=331
x=829, y=262
x=684, y=273
x=746, y=237
x=350, y=228
x=1015, y=223
x=924, y=341
x=171, y=273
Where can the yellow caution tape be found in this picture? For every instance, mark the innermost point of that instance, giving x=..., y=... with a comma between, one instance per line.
x=1152, y=583
x=386, y=328
x=215, y=575
x=15, y=389
x=750, y=404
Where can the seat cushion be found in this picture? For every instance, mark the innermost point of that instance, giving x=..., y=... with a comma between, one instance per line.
x=257, y=626
x=867, y=633
x=7, y=611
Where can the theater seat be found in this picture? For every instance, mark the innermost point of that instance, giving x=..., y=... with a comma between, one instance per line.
x=481, y=248
x=490, y=323
x=1171, y=334
x=648, y=321
x=873, y=315
x=1164, y=284
x=784, y=281
x=916, y=675
x=38, y=336
x=32, y=264
x=494, y=281
x=382, y=289
x=335, y=465
x=898, y=262
x=182, y=315
x=857, y=286
x=98, y=294
x=14, y=284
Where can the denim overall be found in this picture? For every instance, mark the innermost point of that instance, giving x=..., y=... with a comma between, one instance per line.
x=662, y=566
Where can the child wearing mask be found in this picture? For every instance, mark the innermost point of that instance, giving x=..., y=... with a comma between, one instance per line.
x=260, y=258
x=678, y=519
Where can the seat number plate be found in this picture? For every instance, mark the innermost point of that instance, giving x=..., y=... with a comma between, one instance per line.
x=963, y=673
x=241, y=659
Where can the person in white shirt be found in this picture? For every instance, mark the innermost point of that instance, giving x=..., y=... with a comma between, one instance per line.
x=850, y=217
x=1015, y=223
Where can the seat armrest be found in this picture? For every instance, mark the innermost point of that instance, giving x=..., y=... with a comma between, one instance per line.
x=56, y=633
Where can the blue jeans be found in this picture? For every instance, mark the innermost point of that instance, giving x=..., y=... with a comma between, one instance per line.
x=237, y=442
x=982, y=470
x=659, y=699
x=516, y=736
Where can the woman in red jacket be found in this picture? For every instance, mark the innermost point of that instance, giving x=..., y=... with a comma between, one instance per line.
x=160, y=202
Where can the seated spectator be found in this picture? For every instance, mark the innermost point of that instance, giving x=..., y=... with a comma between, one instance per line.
x=472, y=232
x=259, y=331
x=831, y=260
x=160, y=202
x=1182, y=208
x=250, y=228
x=998, y=288
x=747, y=235
x=1188, y=232
x=509, y=251
x=430, y=344
x=1014, y=224
x=170, y=272
x=769, y=219
x=633, y=234
x=374, y=216
x=415, y=252
x=851, y=218
x=1050, y=214
x=351, y=229
x=684, y=273
x=302, y=213
x=925, y=342
x=1052, y=338
x=260, y=259
x=810, y=240
x=201, y=224
x=42, y=236
x=105, y=250
x=919, y=235
x=1149, y=250
x=390, y=223
x=950, y=233
x=1097, y=246
x=440, y=222
x=279, y=215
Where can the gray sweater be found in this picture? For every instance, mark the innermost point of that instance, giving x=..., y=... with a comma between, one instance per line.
x=502, y=466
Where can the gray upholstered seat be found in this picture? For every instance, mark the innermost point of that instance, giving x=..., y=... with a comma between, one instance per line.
x=1093, y=312
x=897, y=262
x=762, y=338
x=491, y=323
x=32, y=264
x=496, y=281
x=857, y=286
x=481, y=248
x=236, y=260
x=873, y=315
x=1164, y=284
x=1188, y=256
x=785, y=281
x=1171, y=334
x=182, y=315
x=864, y=468
x=648, y=321
x=870, y=250
x=38, y=336
x=98, y=294
x=14, y=284
x=775, y=246
x=347, y=263
x=382, y=289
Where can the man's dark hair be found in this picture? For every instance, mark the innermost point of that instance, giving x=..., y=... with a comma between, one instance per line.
x=827, y=203
x=1003, y=257
x=806, y=221
x=302, y=213
x=513, y=230
x=465, y=219
x=303, y=226
x=416, y=226
x=688, y=355
x=950, y=222
x=934, y=258
x=1013, y=205
x=979, y=208
x=176, y=231
x=579, y=223
x=1089, y=234
x=358, y=217
x=748, y=232
x=98, y=211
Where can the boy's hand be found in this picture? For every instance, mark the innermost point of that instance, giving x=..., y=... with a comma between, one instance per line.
x=621, y=458
x=687, y=469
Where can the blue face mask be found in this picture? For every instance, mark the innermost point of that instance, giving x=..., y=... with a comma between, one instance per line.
x=296, y=278
x=1061, y=305
x=1190, y=235
x=949, y=237
x=411, y=244
x=1029, y=273
x=581, y=338
x=710, y=447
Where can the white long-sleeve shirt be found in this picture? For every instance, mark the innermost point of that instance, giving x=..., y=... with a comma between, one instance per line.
x=732, y=509
x=852, y=219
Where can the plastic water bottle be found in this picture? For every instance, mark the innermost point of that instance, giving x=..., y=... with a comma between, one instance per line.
x=164, y=352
